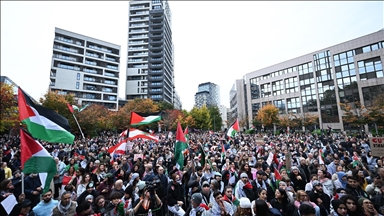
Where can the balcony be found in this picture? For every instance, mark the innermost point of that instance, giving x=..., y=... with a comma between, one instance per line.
x=156, y=18
x=156, y=66
x=90, y=63
x=68, y=58
x=100, y=48
x=112, y=67
x=110, y=59
x=137, y=48
x=152, y=60
x=137, y=7
x=66, y=40
x=110, y=74
x=65, y=49
x=156, y=35
x=93, y=55
x=156, y=24
x=140, y=66
x=155, y=84
x=68, y=67
x=161, y=47
x=156, y=30
x=155, y=42
x=155, y=72
x=139, y=19
x=139, y=36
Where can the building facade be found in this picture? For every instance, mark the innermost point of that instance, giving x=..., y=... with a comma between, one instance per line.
x=237, y=102
x=208, y=94
x=150, y=71
x=318, y=82
x=85, y=67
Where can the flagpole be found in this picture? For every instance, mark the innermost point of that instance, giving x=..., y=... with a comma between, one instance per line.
x=78, y=126
x=22, y=182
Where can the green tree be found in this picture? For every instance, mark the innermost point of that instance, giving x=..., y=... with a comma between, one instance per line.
x=216, y=120
x=202, y=117
x=165, y=106
x=8, y=108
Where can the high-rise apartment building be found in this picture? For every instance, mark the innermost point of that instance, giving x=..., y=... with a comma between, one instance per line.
x=208, y=94
x=150, y=52
x=85, y=67
x=318, y=82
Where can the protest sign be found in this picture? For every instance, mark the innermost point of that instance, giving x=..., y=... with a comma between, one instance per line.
x=377, y=146
x=137, y=156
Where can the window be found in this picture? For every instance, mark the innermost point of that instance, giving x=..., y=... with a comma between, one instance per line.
x=370, y=68
x=78, y=76
x=77, y=85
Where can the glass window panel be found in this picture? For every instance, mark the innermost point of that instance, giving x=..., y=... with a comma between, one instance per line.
x=360, y=64
x=352, y=72
x=349, y=53
x=362, y=70
x=350, y=59
x=379, y=74
x=341, y=93
x=369, y=69
x=338, y=75
x=366, y=49
x=353, y=79
x=378, y=66
x=339, y=81
x=343, y=61
x=369, y=63
x=345, y=73
x=374, y=47
x=343, y=55
x=351, y=66
x=344, y=67
x=337, y=63
x=335, y=57
x=346, y=80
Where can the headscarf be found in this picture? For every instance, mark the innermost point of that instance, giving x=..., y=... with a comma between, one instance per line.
x=340, y=176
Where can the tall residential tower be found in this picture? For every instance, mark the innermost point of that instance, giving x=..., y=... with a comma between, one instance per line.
x=208, y=94
x=85, y=67
x=150, y=52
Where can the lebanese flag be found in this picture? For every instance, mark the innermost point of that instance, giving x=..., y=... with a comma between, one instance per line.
x=124, y=133
x=119, y=148
x=233, y=129
x=144, y=118
x=43, y=123
x=36, y=159
x=135, y=134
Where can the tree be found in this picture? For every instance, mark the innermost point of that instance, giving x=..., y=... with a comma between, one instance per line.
x=170, y=117
x=216, y=120
x=268, y=115
x=8, y=108
x=355, y=114
x=95, y=119
x=165, y=106
x=202, y=117
x=310, y=120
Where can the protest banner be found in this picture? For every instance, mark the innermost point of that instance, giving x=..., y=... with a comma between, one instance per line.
x=377, y=146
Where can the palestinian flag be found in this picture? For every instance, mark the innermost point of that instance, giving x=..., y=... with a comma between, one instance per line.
x=233, y=129
x=142, y=118
x=180, y=146
x=186, y=134
x=321, y=157
x=222, y=152
x=355, y=160
x=36, y=159
x=43, y=123
x=135, y=134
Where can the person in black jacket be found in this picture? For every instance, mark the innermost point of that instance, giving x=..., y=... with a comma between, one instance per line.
x=33, y=188
x=260, y=183
x=90, y=190
x=353, y=187
x=175, y=195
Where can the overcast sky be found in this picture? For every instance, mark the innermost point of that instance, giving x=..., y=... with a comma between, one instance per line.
x=215, y=41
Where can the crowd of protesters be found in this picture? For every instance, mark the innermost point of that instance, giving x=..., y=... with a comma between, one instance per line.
x=220, y=177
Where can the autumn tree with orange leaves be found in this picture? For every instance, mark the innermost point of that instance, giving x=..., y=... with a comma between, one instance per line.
x=268, y=115
x=9, y=117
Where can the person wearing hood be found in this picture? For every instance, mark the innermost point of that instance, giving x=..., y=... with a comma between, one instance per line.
x=298, y=179
x=244, y=188
x=341, y=181
x=244, y=208
x=196, y=209
x=339, y=208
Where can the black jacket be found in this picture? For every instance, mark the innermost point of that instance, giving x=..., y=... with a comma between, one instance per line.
x=326, y=201
x=356, y=192
x=174, y=193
